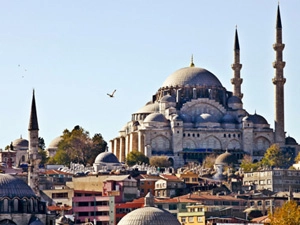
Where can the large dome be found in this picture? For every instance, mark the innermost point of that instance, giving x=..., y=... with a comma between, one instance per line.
x=192, y=76
x=13, y=187
x=149, y=216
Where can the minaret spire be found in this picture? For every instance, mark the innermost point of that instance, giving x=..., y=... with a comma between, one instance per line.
x=236, y=66
x=33, y=156
x=279, y=82
x=33, y=122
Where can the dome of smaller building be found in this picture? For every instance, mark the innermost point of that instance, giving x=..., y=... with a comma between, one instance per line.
x=156, y=117
x=54, y=143
x=106, y=157
x=290, y=141
x=227, y=118
x=233, y=100
x=20, y=143
x=149, y=216
x=226, y=159
x=13, y=187
x=168, y=98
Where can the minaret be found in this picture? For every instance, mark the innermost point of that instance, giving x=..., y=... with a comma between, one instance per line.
x=236, y=66
x=279, y=82
x=33, y=157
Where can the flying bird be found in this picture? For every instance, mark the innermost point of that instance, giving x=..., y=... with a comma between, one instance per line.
x=112, y=94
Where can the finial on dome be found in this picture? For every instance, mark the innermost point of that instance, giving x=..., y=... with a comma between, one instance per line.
x=192, y=61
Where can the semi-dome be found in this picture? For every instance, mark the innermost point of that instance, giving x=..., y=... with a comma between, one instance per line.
x=186, y=118
x=106, y=157
x=226, y=159
x=206, y=118
x=54, y=143
x=193, y=76
x=168, y=98
x=20, y=143
x=149, y=216
x=156, y=117
x=13, y=187
x=149, y=108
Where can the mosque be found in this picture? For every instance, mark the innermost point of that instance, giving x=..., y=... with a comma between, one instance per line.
x=192, y=115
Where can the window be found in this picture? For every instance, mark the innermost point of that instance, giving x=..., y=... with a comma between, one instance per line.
x=199, y=219
x=60, y=195
x=83, y=204
x=259, y=203
x=191, y=219
x=172, y=206
x=183, y=219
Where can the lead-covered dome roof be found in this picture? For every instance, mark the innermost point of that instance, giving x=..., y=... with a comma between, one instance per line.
x=256, y=119
x=13, y=187
x=226, y=159
x=20, y=143
x=149, y=216
x=106, y=157
x=54, y=143
x=156, y=117
x=193, y=76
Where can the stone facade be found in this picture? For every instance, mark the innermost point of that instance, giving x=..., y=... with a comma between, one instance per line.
x=193, y=115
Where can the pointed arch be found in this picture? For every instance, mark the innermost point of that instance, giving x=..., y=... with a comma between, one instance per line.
x=211, y=142
x=189, y=144
x=160, y=143
x=233, y=144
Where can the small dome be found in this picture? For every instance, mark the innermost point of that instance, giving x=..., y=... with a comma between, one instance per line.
x=106, y=157
x=234, y=99
x=149, y=216
x=54, y=143
x=290, y=141
x=256, y=119
x=20, y=143
x=156, y=117
x=226, y=159
x=227, y=118
x=192, y=76
x=149, y=108
x=13, y=187
x=168, y=98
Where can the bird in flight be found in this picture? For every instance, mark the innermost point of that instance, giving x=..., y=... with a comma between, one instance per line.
x=112, y=94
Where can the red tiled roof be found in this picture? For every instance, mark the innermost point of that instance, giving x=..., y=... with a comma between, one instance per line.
x=262, y=219
x=170, y=177
x=59, y=208
x=55, y=172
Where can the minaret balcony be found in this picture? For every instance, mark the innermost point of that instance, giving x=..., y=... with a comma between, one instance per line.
x=279, y=64
x=278, y=46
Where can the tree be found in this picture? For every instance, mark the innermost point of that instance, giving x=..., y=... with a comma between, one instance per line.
x=247, y=165
x=288, y=214
x=160, y=161
x=136, y=157
x=274, y=157
x=77, y=146
x=209, y=161
x=42, y=152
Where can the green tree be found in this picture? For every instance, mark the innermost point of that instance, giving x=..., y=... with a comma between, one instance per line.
x=77, y=146
x=288, y=214
x=136, y=157
x=160, y=161
x=42, y=152
x=209, y=161
x=247, y=165
x=274, y=157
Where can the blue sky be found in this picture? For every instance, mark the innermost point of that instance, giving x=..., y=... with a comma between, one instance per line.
x=74, y=52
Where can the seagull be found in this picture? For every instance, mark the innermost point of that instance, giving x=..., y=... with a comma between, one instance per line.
x=112, y=94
